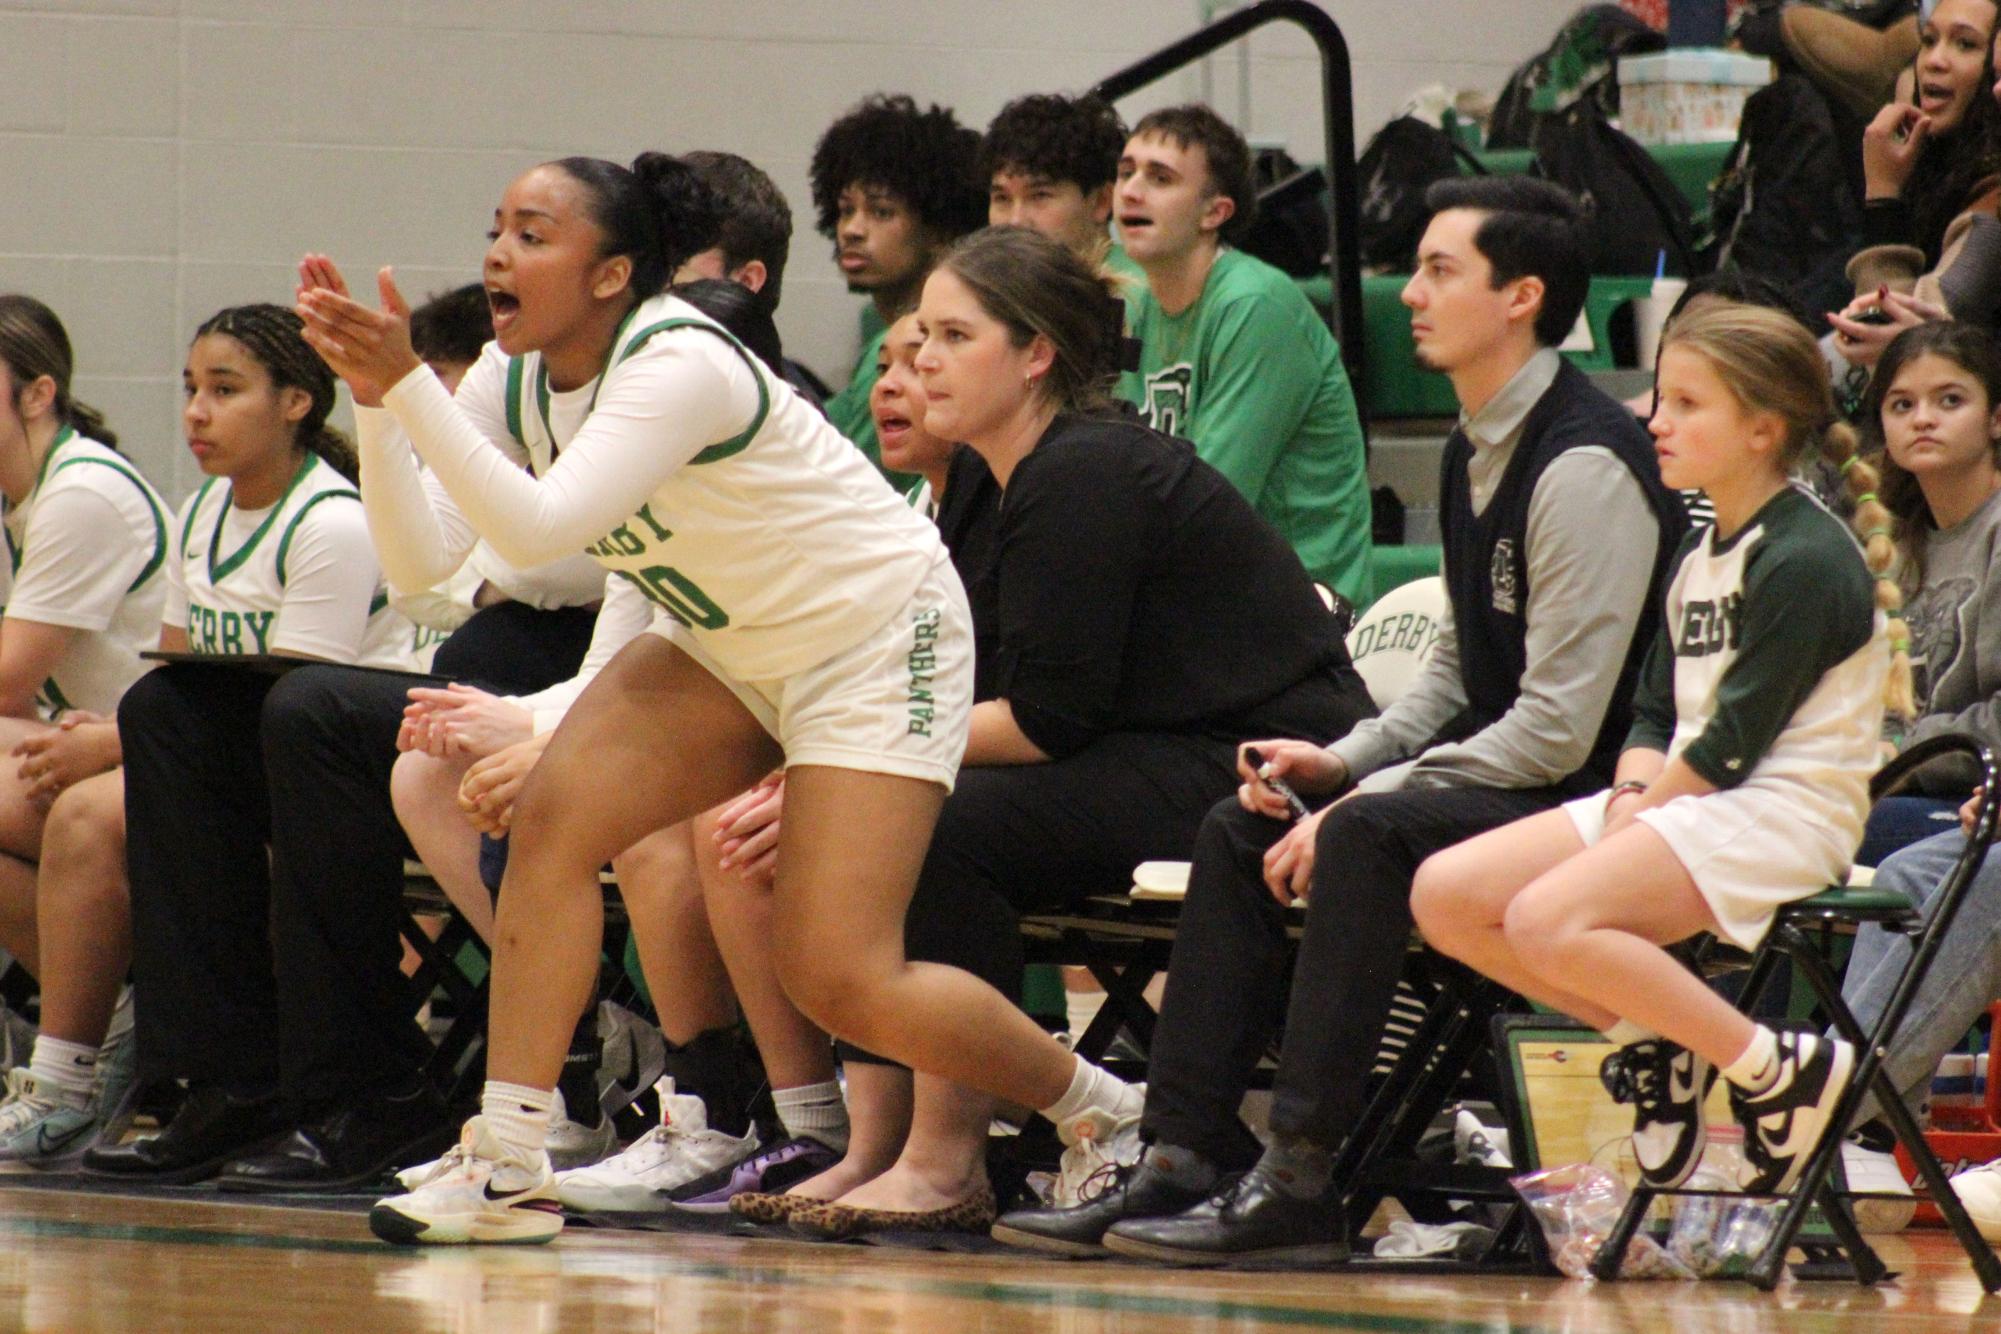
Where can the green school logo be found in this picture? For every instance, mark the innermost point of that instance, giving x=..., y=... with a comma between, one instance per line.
x=1710, y=627
x=227, y=632
x=923, y=662
x=1167, y=395
x=663, y=584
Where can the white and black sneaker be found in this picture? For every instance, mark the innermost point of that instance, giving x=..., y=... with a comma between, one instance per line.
x=481, y=1191
x=1666, y=1086
x=1784, y=1123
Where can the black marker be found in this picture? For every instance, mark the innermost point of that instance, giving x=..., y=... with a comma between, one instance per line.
x=1262, y=768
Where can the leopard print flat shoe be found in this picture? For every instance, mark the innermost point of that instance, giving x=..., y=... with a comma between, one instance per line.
x=760, y=1207
x=835, y=1222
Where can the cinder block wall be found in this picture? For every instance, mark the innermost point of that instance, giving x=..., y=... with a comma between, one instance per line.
x=164, y=158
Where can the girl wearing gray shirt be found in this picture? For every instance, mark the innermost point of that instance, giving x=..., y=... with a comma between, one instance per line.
x=1936, y=401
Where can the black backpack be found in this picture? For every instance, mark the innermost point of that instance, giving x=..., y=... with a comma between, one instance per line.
x=1636, y=213
x=1786, y=206
x=1289, y=230
x=1578, y=67
x=1401, y=162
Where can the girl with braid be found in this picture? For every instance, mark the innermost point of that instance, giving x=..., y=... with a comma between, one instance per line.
x=1744, y=784
x=86, y=539
x=269, y=557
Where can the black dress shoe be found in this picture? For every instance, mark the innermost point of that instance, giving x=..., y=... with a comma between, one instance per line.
x=356, y=1141
x=1249, y=1221
x=1127, y=1193
x=213, y=1127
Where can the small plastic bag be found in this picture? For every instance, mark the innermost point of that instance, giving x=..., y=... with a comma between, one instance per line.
x=1578, y=1207
x=1719, y=1236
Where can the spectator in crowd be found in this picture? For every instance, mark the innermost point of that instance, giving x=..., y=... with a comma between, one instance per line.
x=1050, y=163
x=893, y=185
x=1233, y=357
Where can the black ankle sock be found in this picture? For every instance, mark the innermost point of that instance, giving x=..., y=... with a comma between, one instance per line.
x=722, y=1068
x=579, y=1081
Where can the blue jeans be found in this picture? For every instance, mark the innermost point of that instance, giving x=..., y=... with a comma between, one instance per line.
x=1965, y=976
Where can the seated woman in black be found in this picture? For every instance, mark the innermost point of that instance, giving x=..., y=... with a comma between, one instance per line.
x=1149, y=623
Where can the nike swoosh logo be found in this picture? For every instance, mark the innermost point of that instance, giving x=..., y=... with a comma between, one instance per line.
x=1777, y=1131
x=44, y=1144
x=1681, y=1088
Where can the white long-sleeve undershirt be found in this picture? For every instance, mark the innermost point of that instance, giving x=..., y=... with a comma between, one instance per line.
x=653, y=413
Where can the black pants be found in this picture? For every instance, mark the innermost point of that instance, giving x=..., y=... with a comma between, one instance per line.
x=1016, y=838
x=1019, y=838
x=283, y=969
x=275, y=970
x=511, y=648
x=1226, y=981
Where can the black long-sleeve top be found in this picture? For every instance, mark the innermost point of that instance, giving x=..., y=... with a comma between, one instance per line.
x=1138, y=591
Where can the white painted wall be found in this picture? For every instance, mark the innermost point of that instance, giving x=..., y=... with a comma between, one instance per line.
x=167, y=157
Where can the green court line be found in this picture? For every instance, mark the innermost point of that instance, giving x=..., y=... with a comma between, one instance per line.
x=1000, y=1294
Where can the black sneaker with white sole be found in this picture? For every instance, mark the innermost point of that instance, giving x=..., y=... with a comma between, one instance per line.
x=1666, y=1086
x=1784, y=1123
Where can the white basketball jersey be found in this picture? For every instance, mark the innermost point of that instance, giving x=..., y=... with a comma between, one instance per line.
x=105, y=582
x=779, y=547
x=236, y=590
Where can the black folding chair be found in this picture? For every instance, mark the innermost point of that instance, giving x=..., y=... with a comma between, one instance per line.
x=1793, y=938
x=1427, y=1070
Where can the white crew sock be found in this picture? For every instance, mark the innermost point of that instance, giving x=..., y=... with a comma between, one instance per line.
x=68, y=1067
x=1625, y=1033
x=517, y=1115
x=816, y=1110
x=1757, y=1066
x=1092, y=1089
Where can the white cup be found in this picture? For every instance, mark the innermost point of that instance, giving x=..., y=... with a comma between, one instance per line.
x=1650, y=315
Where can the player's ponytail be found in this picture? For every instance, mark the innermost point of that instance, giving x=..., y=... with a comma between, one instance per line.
x=33, y=343
x=656, y=213
x=270, y=334
x=688, y=217
x=1770, y=363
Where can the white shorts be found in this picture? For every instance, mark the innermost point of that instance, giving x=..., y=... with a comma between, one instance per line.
x=897, y=703
x=1749, y=850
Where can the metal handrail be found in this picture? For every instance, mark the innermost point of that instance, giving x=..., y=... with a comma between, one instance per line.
x=1344, y=247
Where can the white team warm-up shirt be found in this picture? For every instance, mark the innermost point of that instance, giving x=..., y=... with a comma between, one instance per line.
x=687, y=468
x=297, y=577
x=86, y=549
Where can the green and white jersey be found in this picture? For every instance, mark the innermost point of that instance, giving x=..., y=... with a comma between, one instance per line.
x=297, y=577
x=686, y=467
x=920, y=497
x=1251, y=375
x=86, y=550
x=848, y=408
x=1778, y=659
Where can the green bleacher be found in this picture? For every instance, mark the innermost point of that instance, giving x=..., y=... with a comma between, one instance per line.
x=1394, y=385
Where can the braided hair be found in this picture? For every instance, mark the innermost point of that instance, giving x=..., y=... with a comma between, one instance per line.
x=1770, y=363
x=33, y=343
x=271, y=335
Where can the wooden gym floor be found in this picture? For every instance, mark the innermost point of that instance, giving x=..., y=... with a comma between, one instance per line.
x=72, y=1261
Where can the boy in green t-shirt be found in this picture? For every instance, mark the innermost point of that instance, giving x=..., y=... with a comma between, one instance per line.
x=893, y=187
x=1233, y=357
x=1050, y=162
